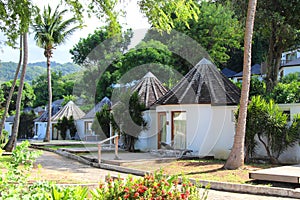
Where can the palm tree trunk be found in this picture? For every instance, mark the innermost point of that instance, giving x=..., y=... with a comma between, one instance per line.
x=13, y=139
x=236, y=157
x=48, y=55
x=12, y=89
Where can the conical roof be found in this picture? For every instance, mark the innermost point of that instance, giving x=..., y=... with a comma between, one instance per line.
x=56, y=106
x=92, y=113
x=149, y=89
x=203, y=84
x=70, y=109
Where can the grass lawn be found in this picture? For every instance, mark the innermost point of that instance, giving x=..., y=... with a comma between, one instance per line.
x=203, y=170
x=55, y=147
x=4, y=160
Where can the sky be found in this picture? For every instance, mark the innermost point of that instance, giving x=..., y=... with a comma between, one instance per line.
x=134, y=19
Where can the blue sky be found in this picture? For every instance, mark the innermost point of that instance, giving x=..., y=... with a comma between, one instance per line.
x=134, y=19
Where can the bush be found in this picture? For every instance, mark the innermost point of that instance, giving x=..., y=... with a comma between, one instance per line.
x=266, y=121
x=156, y=186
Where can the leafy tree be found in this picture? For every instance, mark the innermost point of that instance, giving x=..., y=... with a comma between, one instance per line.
x=60, y=88
x=286, y=93
x=217, y=29
x=65, y=124
x=26, y=125
x=28, y=95
x=103, y=121
x=128, y=118
x=274, y=133
x=289, y=78
x=51, y=30
x=236, y=156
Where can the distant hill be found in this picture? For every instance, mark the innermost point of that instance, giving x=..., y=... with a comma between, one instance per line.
x=7, y=70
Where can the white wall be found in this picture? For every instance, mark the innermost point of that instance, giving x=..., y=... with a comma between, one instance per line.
x=40, y=132
x=148, y=139
x=80, y=128
x=8, y=127
x=210, y=129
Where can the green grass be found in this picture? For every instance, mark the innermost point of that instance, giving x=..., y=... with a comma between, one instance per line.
x=4, y=160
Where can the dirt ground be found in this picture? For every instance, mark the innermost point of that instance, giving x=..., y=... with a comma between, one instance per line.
x=53, y=167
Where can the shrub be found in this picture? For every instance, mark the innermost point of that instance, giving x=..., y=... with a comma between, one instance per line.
x=151, y=186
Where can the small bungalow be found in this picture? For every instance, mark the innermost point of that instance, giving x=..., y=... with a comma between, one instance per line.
x=198, y=113
x=228, y=72
x=70, y=109
x=84, y=124
x=149, y=89
x=40, y=123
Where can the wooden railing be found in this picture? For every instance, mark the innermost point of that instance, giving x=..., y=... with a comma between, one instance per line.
x=116, y=137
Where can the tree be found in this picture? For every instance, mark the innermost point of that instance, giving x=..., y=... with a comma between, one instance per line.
x=13, y=139
x=51, y=30
x=60, y=88
x=27, y=95
x=236, y=157
x=128, y=118
x=217, y=30
x=26, y=125
x=12, y=88
x=104, y=119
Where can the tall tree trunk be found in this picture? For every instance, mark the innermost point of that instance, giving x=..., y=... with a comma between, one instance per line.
x=13, y=139
x=273, y=62
x=12, y=89
x=48, y=55
x=236, y=157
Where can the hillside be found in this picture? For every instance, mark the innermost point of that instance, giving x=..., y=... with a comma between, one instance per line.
x=7, y=69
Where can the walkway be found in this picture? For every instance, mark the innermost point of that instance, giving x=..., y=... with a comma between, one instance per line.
x=55, y=167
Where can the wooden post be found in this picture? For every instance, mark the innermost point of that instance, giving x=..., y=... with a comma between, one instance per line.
x=116, y=147
x=99, y=153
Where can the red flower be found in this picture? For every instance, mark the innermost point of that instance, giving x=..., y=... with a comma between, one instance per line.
x=136, y=194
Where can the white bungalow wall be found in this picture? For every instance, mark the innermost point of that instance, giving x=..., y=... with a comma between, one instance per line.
x=210, y=129
x=40, y=130
x=148, y=139
x=8, y=126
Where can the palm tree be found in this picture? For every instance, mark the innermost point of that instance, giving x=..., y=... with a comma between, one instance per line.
x=12, y=89
x=50, y=31
x=13, y=138
x=236, y=157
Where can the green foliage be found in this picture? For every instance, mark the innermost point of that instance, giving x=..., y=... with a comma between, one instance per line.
x=60, y=88
x=269, y=123
x=151, y=186
x=65, y=124
x=162, y=15
x=286, y=93
x=68, y=98
x=217, y=30
x=290, y=78
x=103, y=120
x=128, y=118
x=257, y=87
x=28, y=95
x=26, y=125
x=3, y=139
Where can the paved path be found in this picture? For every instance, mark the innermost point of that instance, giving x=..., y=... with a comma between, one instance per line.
x=56, y=167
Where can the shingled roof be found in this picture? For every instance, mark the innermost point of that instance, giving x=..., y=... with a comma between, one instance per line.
x=203, y=84
x=150, y=89
x=70, y=109
x=56, y=106
x=92, y=113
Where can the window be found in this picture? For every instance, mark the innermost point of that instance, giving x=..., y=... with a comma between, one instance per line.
x=179, y=129
x=88, y=128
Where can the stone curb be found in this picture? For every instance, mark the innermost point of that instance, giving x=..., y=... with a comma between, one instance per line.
x=223, y=186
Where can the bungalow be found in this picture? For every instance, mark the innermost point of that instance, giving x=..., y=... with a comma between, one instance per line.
x=9, y=123
x=70, y=109
x=149, y=89
x=40, y=123
x=198, y=113
x=256, y=70
x=84, y=124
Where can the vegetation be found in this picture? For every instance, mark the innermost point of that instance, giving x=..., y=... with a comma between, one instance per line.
x=27, y=96
x=103, y=121
x=275, y=134
x=65, y=124
x=52, y=30
x=26, y=128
